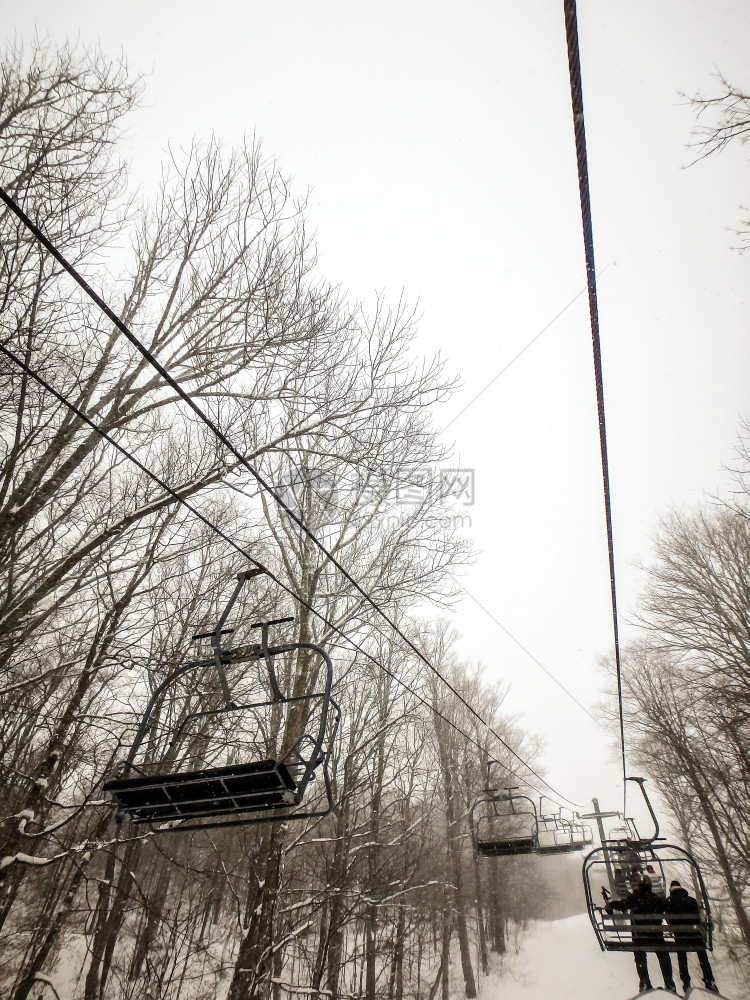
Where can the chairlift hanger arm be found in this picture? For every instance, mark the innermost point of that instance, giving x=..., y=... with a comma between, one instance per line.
x=512, y=799
x=490, y=762
x=242, y=578
x=642, y=782
x=264, y=627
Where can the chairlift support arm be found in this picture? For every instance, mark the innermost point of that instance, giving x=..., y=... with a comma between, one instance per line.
x=646, y=841
x=242, y=578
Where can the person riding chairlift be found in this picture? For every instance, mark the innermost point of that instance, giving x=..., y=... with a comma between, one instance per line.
x=683, y=917
x=647, y=911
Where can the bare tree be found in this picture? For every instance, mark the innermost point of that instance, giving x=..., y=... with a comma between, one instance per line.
x=723, y=120
x=106, y=576
x=688, y=687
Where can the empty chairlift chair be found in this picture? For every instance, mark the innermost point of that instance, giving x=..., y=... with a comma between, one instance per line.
x=581, y=835
x=559, y=835
x=504, y=824
x=241, y=761
x=613, y=871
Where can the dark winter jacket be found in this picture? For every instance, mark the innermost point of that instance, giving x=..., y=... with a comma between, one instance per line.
x=647, y=910
x=684, y=917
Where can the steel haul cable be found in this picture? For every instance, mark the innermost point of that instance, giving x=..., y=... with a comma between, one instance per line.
x=576, y=94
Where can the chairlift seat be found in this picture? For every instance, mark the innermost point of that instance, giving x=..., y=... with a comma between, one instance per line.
x=241, y=788
x=659, y=932
x=568, y=847
x=250, y=790
x=506, y=847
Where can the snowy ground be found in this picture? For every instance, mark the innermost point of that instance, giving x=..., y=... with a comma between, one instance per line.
x=552, y=960
x=560, y=960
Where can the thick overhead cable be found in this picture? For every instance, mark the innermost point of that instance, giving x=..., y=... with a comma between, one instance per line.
x=576, y=94
x=175, y=385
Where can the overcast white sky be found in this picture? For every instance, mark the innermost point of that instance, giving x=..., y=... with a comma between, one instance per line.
x=436, y=138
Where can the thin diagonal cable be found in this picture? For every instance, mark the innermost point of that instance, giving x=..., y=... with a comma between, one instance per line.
x=576, y=94
x=520, y=353
x=32, y=373
x=530, y=655
x=204, y=418
x=185, y=396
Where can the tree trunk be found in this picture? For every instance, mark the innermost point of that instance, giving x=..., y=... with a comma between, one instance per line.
x=497, y=912
x=25, y=985
x=735, y=895
x=150, y=919
x=445, y=954
x=322, y=951
x=371, y=925
x=483, y=956
x=110, y=917
x=253, y=969
x=396, y=982
x=459, y=896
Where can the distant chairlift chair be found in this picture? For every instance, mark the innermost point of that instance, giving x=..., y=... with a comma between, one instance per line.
x=239, y=791
x=559, y=835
